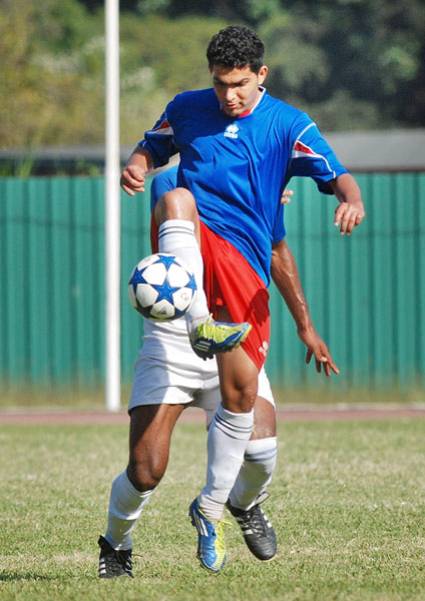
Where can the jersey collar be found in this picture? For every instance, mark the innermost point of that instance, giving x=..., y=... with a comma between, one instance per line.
x=259, y=99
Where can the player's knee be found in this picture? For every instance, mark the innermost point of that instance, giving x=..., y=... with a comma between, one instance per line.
x=176, y=204
x=145, y=475
x=240, y=399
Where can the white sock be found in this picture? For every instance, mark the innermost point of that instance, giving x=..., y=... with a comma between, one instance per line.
x=125, y=506
x=256, y=472
x=177, y=237
x=228, y=437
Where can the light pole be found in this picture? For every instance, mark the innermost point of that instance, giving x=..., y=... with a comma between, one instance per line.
x=112, y=208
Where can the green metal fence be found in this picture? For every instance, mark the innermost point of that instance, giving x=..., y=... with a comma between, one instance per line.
x=366, y=292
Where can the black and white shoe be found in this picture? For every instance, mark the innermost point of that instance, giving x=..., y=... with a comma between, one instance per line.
x=257, y=531
x=113, y=563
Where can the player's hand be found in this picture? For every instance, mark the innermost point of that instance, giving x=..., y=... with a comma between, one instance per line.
x=285, y=199
x=349, y=215
x=133, y=179
x=316, y=346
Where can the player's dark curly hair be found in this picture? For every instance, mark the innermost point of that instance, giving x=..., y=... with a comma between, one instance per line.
x=236, y=47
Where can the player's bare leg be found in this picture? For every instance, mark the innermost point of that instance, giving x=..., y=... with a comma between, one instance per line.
x=178, y=233
x=151, y=427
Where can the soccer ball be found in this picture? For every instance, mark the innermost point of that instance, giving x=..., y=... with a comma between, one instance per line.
x=161, y=287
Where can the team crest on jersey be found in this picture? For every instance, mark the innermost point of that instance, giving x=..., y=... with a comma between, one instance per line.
x=231, y=131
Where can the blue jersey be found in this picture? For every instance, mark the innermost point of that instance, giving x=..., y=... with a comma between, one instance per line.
x=237, y=168
x=162, y=183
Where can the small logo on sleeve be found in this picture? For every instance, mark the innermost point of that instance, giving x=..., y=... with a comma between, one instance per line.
x=231, y=131
x=263, y=349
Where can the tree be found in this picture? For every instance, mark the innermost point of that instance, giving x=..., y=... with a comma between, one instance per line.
x=158, y=60
x=364, y=56
x=52, y=74
x=350, y=63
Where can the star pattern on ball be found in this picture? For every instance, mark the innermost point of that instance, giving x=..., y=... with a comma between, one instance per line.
x=191, y=283
x=164, y=293
x=166, y=260
x=165, y=290
x=137, y=278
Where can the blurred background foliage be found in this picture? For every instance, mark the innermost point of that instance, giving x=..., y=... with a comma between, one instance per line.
x=352, y=64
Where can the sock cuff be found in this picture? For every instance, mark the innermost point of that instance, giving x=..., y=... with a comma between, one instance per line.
x=234, y=425
x=131, y=489
x=260, y=444
x=235, y=418
x=261, y=449
x=179, y=225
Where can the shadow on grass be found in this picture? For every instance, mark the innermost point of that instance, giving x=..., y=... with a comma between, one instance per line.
x=19, y=576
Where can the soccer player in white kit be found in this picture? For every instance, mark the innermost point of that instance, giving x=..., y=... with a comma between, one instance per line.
x=169, y=377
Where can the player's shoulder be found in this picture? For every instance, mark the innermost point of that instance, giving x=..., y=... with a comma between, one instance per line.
x=193, y=99
x=285, y=110
x=288, y=118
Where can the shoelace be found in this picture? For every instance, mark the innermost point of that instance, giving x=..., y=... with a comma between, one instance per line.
x=254, y=520
x=125, y=560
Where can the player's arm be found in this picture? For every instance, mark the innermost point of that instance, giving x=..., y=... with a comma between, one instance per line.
x=350, y=212
x=154, y=150
x=285, y=275
x=133, y=175
x=313, y=157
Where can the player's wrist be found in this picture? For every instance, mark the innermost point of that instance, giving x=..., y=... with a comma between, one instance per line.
x=305, y=327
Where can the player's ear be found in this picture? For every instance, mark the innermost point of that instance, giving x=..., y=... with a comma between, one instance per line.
x=262, y=74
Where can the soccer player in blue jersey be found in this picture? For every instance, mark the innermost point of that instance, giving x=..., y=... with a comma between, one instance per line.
x=238, y=147
x=168, y=378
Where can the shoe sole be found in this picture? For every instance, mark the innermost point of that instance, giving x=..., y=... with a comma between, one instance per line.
x=116, y=576
x=260, y=558
x=209, y=570
x=266, y=560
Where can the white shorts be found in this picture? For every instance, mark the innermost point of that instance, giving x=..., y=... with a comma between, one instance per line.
x=168, y=371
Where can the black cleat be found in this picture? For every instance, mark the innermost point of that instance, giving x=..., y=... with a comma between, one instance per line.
x=257, y=531
x=113, y=563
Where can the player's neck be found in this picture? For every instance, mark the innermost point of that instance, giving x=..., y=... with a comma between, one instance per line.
x=249, y=111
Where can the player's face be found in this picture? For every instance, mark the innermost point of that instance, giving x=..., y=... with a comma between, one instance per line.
x=237, y=89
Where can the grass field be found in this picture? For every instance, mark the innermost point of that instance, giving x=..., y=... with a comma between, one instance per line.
x=348, y=505
x=322, y=393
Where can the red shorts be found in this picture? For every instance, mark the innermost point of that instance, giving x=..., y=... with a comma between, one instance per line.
x=230, y=282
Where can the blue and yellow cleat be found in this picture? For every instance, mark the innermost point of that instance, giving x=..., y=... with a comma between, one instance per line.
x=211, y=547
x=211, y=337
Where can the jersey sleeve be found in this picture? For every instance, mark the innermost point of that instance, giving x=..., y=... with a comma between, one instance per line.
x=311, y=156
x=159, y=141
x=162, y=183
x=279, y=231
